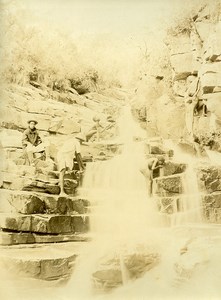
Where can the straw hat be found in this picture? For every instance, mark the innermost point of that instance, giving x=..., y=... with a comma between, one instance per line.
x=29, y=121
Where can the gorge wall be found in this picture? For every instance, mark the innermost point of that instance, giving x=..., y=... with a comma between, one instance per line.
x=182, y=99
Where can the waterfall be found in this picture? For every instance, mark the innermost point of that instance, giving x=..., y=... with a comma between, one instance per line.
x=117, y=189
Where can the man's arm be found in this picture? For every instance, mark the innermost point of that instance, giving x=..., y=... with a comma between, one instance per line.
x=154, y=165
x=38, y=140
x=25, y=140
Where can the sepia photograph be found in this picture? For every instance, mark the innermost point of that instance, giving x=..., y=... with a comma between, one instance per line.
x=110, y=149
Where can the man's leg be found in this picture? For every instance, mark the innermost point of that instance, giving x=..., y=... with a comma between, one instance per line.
x=43, y=147
x=30, y=155
x=61, y=182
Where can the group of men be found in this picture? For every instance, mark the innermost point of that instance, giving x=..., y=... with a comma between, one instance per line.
x=35, y=148
x=71, y=149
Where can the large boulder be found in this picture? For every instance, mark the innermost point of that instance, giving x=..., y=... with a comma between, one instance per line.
x=209, y=178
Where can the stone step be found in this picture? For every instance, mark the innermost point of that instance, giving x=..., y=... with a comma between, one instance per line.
x=210, y=205
x=50, y=224
x=16, y=238
x=168, y=185
x=33, y=202
x=48, y=262
x=36, y=183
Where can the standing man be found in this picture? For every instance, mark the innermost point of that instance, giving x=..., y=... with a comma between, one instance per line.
x=152, y=165
x=69, y=150
x=32, y=142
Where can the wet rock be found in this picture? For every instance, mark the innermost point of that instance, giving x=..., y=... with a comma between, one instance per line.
x=168, y=185
x=107, y=279
x=171, y=168
x=113, y=271
x=53, y=224
x=168, y=205
x=209, y=179
x=212, y=207
x=20, y=202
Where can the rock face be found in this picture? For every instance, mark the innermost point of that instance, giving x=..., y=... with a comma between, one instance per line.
x=168, y=185
x=209, y=179
x=212, y=207
x=184, y=100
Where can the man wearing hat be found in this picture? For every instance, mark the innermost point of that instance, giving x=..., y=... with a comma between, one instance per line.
x=65, y=157
x=32, y=142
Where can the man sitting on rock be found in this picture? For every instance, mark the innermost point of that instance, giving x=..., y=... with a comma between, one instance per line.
x=69, y=150
x=32, y=143
x=96, y=129
x=153, y=164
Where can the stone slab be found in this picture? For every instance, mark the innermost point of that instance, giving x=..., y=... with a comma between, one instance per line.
x=20, y=202
x=45, y=263
x=26, y=202
x=168, y=185
x=209, y=178
x=17, y=238
x=47, y=224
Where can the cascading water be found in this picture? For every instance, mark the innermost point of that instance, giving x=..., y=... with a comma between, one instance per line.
x=117, y=189
x=123, y=217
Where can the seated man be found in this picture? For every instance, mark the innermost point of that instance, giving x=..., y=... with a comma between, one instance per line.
x=153, y=164
x=96, y=129
x=32, y=142
x=69, y=150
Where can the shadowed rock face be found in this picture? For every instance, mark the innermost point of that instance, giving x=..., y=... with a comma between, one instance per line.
x=209, y=179
x=168, y=185
x=212, y=207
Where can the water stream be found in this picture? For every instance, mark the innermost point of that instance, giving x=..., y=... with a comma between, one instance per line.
x=123, y=219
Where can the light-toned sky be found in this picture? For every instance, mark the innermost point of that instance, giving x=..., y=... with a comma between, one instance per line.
x=95, y=16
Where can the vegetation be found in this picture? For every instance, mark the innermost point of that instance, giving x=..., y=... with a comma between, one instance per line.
x=193, y=11
x=42, y=54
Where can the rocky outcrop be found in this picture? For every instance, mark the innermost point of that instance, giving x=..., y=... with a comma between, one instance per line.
x=183, y=98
